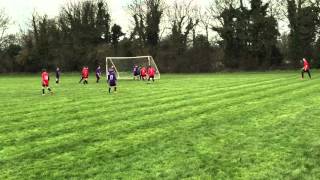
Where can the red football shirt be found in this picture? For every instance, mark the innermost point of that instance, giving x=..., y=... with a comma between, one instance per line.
x=82, y=72
x=45, y=78
x=143, y=71
x=306, y=65
x=151, y=71
x=85, y=72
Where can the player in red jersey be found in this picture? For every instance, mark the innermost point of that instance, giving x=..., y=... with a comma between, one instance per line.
x=82, y=72
x=84, y=75
x=143, y=73
x=45, y=81
x=306, y=68
x=151, y=73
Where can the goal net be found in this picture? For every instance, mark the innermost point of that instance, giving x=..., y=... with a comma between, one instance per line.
x=123, y=66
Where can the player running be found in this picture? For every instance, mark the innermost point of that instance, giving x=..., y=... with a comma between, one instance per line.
x=82, y=72
x=306, y=68
x=136, y=72
x=45, y=81
x=112, y=80
x=98, y=73
x=143, y=73
x=151, y=73
x=58, y=73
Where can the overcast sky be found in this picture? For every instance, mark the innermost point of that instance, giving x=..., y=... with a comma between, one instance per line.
x=20, y=11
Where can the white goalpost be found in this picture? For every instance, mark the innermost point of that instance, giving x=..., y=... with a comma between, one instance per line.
x=123, y=66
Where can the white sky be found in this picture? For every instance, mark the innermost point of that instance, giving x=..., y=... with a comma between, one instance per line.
x=20, y=11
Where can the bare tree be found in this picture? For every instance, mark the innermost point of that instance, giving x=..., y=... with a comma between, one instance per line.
x=137, y=10
x=205, y=21
x=183, y=17
x=217, y=7
x=147, y=17
x=4, y=25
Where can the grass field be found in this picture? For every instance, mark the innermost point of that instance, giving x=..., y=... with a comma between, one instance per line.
x=210, y=126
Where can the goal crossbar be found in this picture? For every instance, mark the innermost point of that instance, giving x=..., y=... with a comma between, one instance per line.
x=135, y=57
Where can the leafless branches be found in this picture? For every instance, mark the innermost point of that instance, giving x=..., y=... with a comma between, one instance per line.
x=4, y=25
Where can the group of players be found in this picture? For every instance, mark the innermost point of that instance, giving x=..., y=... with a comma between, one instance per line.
x=138, y=73
x=141, y=73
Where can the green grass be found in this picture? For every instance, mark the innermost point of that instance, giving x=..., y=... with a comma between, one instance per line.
x=209, y=126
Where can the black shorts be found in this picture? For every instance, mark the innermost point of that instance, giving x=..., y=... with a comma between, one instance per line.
x=112, y=84
x=136, y=74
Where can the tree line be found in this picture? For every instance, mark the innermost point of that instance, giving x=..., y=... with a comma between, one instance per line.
x=227, y=35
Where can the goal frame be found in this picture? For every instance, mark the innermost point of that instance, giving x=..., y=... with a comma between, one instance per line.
x=149, y=58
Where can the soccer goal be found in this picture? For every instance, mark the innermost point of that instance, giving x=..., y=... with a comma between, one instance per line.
x=124, y=65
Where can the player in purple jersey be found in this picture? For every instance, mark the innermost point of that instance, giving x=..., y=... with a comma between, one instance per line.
x=98, y=73
x=136, y=72
x=112, y=80
x=58, y=73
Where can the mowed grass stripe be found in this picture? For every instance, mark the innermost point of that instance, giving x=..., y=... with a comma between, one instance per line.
x=56, y=102
x=118, y=103
x=167, y=105
x=250, y=132
x=25, y=126
x=186, y=135
x=93, y=169
x=101, y=95
x=187, y=106
x=191, y=123
x=75, y=86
